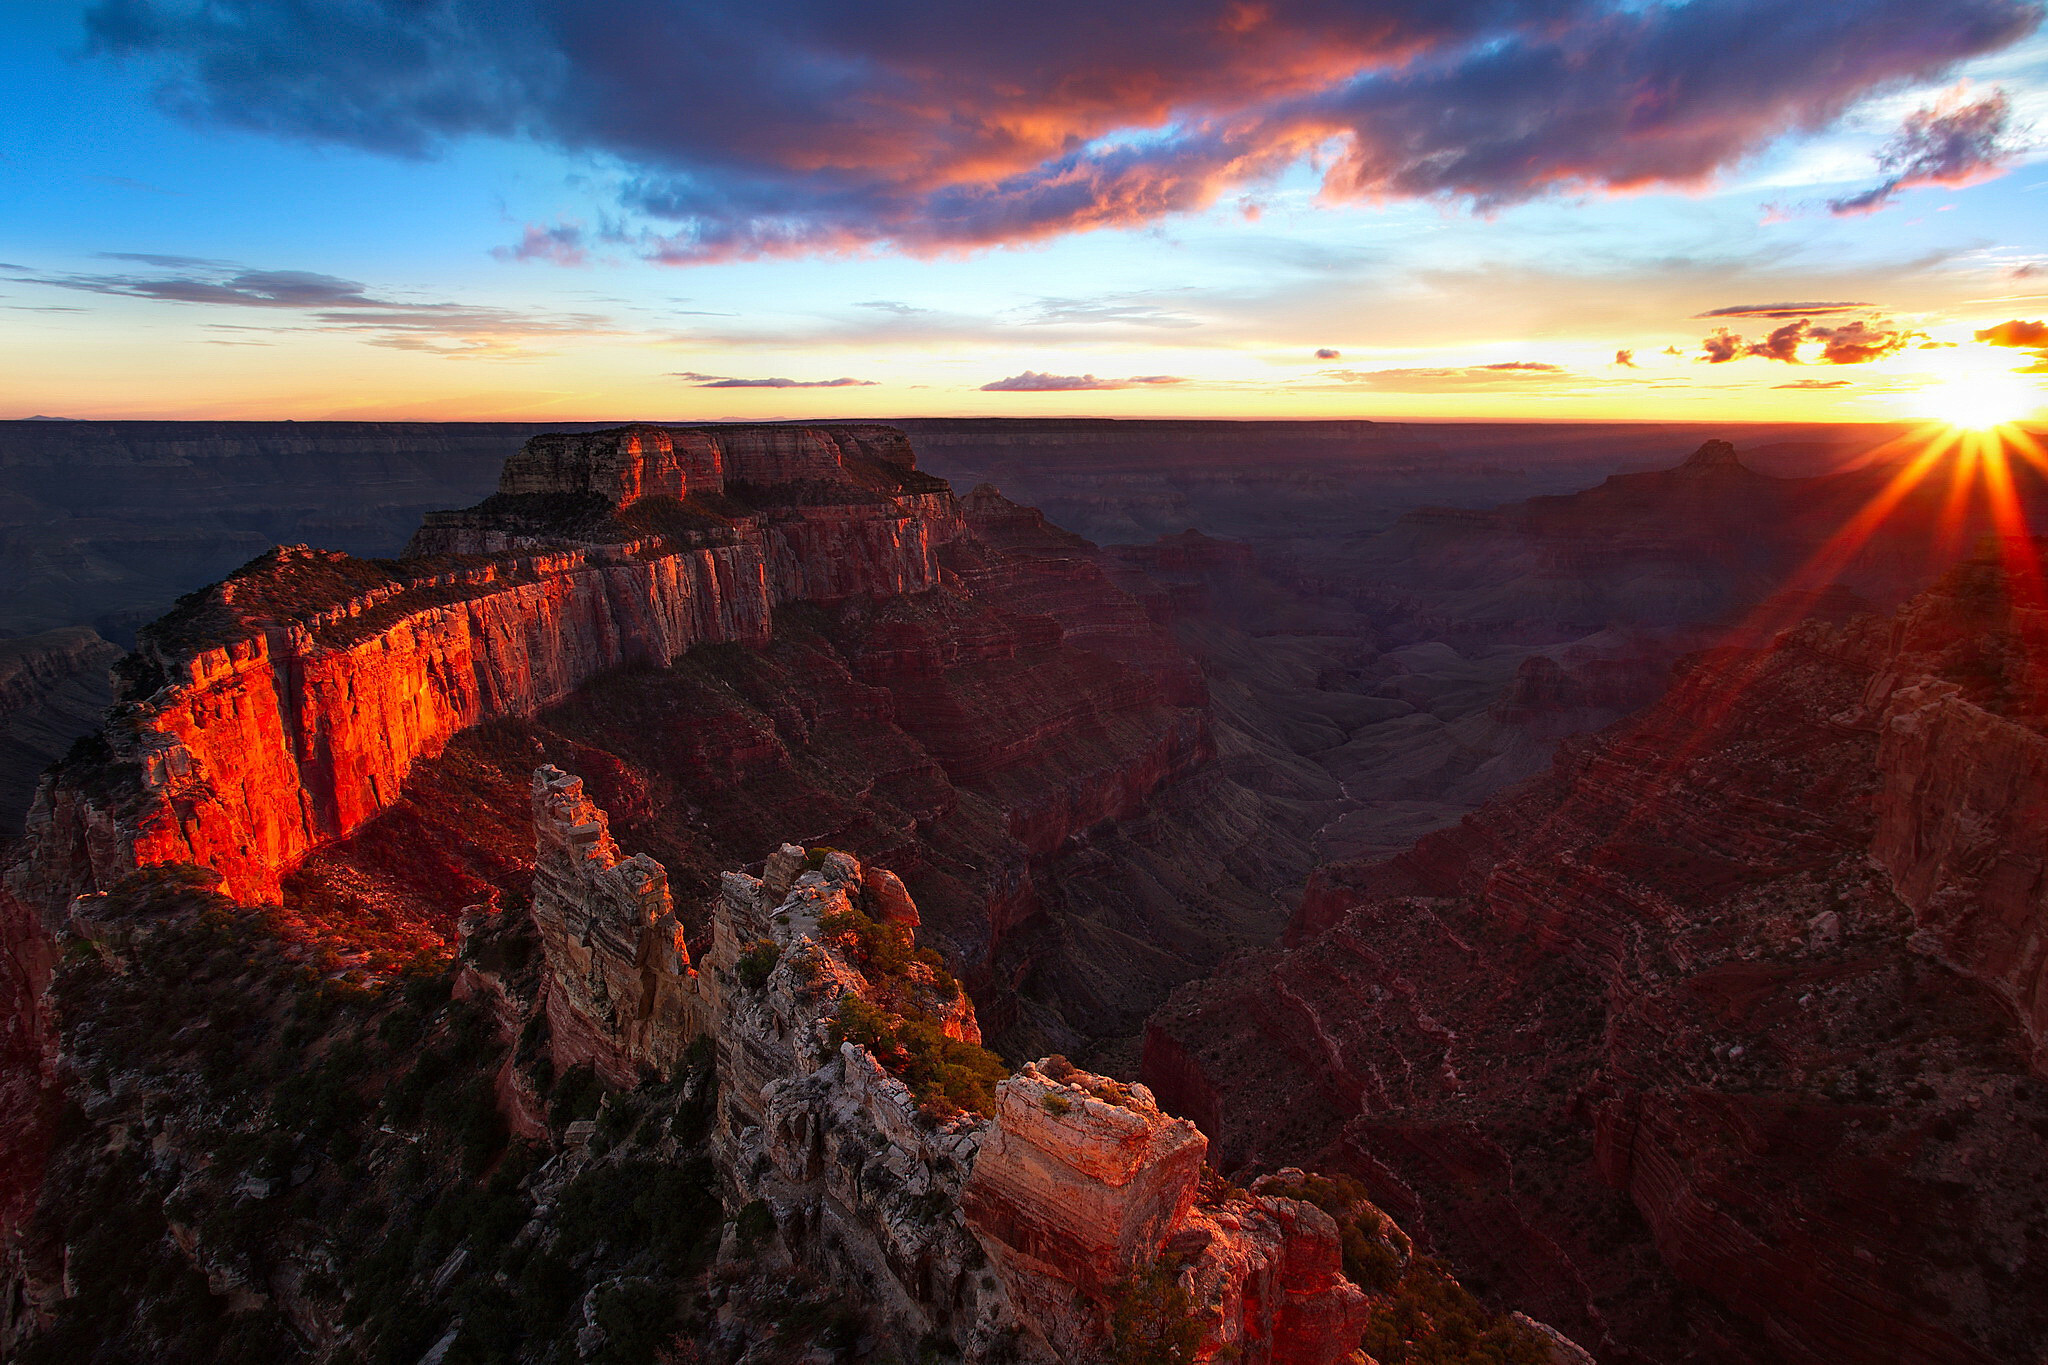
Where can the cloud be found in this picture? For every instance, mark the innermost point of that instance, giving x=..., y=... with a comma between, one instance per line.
x=1856, y=342
x=1512, y=376
x=751, y=129
x=1116, y=308
x=334, y=304
x=901, y=310
x=712, y=381
x=1816, y=384
x=1626, y=359
x=1722, y=347
x=1326, y=353
x=1955, y=141
x=2029, y=335
x=562, y=244
x=1031, y=381
x=1781, y=310
x=244, y=288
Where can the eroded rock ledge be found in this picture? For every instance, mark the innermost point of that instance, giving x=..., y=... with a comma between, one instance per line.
x=1022, y=1224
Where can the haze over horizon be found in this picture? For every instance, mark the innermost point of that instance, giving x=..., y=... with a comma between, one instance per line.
x=1645, y=211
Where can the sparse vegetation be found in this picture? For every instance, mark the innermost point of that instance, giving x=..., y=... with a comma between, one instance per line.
x=1152, y=1321
x=1431, y=1319
x=947, y=1075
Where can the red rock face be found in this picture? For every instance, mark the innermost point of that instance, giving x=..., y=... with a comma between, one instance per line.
x=1081, y=1183
x=619, y=973
x=289, y=705
x=1653, y=1048
x=623, y=465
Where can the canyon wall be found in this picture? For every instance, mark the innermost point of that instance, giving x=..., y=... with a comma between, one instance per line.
x=1720, y=1040
x=285, y=706
x=1012, y=1224
x=53, y=688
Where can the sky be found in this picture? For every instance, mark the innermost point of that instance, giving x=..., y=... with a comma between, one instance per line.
x=708, y=209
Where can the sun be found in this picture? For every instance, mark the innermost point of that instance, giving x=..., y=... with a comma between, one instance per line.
x=1977, y=399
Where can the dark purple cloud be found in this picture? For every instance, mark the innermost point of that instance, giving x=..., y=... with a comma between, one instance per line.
x=779, y=126
x=1534, y=366
x=1956, y=141
x=712, y=381
x=1327, y=353
x=1781, y=310
x=1031, y=381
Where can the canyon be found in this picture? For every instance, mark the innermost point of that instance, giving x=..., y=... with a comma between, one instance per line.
x=1695, y=1036
x=1723, y=1035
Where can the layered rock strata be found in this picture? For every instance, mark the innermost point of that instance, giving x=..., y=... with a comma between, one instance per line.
x=619, y=968
x=1721, y=1039
x=286, y=706
x=1011, y=1235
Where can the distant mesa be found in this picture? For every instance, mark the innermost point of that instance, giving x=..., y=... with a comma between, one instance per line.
x=1714, y=455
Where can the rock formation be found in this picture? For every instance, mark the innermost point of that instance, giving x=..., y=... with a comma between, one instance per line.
x=617, y=961
x=286, y=706
x=1720, y=1040
x=1010, y=1233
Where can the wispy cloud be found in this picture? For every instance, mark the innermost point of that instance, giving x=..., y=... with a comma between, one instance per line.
x=1507, y=376
x=330, y=303
x=1955, y=141
x=562, y=244
x=713, y=381
x=1782, y=310
x=1032, y=381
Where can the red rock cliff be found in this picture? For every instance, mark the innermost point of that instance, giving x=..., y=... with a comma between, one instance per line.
x=284, y=707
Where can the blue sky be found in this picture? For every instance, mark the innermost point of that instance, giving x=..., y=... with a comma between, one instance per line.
x=174, y=250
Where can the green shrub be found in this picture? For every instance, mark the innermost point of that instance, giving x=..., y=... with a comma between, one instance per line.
x=756, y=963
x=1152, y=1322
x=1431, y=1319
x=946, y=1074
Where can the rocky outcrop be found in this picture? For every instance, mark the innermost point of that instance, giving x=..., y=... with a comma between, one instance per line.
x=286, y=706
x=1013, y=1226
x=1665, y=1035
x=618, y=966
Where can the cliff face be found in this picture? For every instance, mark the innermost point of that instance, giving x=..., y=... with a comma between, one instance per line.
x=287, y=705
x=1962, y=813
x=1010, y=1224
x=53, y=687
x=1705, y=1041
x=622, y=994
